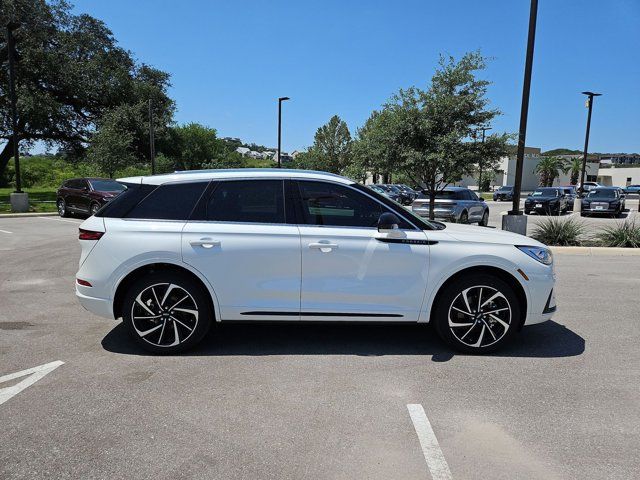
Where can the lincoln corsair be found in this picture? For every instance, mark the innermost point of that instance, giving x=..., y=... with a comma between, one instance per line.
x=175, y=253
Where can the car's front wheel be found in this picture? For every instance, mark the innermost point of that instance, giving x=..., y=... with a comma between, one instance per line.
x=94, y=208
x=167, y=312
x=478, y=314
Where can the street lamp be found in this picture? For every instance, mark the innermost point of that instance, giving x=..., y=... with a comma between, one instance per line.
x=514, y=221
x=484, y=129
x=590, y=96
x=152, y=140
x=280, y=100
x=19, y=200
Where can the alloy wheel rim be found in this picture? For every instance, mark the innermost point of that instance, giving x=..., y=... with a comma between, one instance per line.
x=94, y=209
x=164, y=315
x=479, y=316
x=61, y=207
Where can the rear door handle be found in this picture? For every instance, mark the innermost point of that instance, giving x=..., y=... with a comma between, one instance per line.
x=205, y=243
x=324, y=247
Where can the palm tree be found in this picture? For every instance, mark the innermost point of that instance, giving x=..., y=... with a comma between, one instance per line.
x=575, y=165
x=549, y=168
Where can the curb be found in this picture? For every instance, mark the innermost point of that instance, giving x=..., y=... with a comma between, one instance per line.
x=596, y=251
x=30, y=214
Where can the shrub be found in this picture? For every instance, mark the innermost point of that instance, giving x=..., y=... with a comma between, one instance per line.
x=559, y=231
x=623, y=234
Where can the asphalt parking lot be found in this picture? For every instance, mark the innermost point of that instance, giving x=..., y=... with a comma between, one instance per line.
x=313, y=401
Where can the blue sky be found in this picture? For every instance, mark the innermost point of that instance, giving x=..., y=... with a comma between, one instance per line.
x=230, y=60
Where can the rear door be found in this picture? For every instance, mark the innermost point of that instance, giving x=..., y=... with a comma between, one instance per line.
x=248, y=249
x=350, y=271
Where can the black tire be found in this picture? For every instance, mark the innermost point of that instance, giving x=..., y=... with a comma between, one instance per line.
x=484, y=221
x=62, y=207
x=464, y=217
x=506, y=308
x=167, y=331
x=93, y=209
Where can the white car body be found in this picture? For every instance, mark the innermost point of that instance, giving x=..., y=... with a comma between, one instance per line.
x=304, y=272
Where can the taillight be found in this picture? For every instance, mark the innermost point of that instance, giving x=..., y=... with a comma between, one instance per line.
x=89, y=235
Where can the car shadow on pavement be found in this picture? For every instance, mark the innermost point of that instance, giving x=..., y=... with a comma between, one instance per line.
x=547, y=340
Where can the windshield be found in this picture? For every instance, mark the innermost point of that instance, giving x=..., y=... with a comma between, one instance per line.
x=545, y=192
x=505, y=189
x=602, y=193
x=393, y=188
x=107, y=186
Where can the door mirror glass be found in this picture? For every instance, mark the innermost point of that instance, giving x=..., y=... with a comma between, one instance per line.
x=388, y=221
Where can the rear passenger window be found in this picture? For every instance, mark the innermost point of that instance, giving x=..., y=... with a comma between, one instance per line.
x=172, y=201
x=248, y=201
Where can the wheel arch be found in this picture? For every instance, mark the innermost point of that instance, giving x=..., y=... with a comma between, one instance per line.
x=500, y=273
x=146, y=269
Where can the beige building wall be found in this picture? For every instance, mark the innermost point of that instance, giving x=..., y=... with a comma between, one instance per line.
x=619, y=177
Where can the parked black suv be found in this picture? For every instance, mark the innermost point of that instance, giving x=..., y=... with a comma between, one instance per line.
x=546, y=200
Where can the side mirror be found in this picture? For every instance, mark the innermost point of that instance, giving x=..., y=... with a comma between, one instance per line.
x=388, y=221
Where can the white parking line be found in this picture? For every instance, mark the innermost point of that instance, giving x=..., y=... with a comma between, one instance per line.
x=5, y=231
x=35, y=374
x=430, y=448
x=61, y=220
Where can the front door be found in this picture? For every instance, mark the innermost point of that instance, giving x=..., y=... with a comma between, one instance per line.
x=247, y=251
x=350, y=271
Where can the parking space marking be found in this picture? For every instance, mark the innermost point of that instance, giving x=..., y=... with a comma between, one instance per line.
x=430, y=448
x=61, y=220
x=35, y=374
x=5, y=231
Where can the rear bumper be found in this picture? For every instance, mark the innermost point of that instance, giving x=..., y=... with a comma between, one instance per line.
x=446, y=215
x=98, y=306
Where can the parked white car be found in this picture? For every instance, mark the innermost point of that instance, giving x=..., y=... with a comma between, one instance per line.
x=174, y=253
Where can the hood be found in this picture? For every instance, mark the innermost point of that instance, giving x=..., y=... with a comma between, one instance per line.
x=472, y=233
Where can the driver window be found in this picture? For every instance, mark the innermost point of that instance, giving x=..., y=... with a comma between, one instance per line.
x=331, y=204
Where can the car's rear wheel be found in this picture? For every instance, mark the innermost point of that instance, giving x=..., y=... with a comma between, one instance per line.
x=478, y=314
x=62, y=207
x=485, y=219
x=167, y=312
x=464, y=217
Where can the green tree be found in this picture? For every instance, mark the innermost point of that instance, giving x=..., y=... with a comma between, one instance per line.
x=71, y=72
x=575, y=166
x=550, y=168
x=426, y=134
x=194, y=145
x=331, y=149
x=112, y=146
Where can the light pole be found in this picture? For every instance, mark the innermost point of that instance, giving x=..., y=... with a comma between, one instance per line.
x=280, y=100
x=590, y=96
x=514, y=221
x=152, y=140
x=19, y=200
x=484, y=129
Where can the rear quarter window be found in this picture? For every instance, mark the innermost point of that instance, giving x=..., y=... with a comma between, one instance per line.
x=171, y=201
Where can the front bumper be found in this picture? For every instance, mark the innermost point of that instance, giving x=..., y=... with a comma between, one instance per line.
x=545, y=208
x=542, y=298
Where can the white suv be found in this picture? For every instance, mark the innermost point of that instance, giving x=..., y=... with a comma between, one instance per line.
x=175, y=253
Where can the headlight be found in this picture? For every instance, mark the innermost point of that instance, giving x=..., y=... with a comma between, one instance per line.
x=543, y=255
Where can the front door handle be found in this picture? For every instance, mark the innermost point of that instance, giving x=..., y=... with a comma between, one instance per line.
x=323, y=247
x=205, y=243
